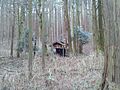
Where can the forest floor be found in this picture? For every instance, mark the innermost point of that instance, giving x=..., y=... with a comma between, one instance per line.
x=61, y=73
x=82, y=72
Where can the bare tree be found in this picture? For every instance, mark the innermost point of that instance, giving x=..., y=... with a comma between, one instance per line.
x=30, y=39
x=13, y=29
x=67, y=25
x=95, y=24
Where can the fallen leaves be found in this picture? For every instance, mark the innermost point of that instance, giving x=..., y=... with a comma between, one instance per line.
x=63, y=73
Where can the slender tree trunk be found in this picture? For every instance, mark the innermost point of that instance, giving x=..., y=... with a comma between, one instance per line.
x=56, y=24
x=78, y=24
x=94, y=25
x=21, y=23
x=42, y=29
x=100, y=25
x=30, y=39
x=2, y=19
x=18, y=53
x=67, y=25
x=73, y=21
x=13, y=29
x=9, y=36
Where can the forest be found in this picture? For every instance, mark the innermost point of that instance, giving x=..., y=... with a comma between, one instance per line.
x=59, y=45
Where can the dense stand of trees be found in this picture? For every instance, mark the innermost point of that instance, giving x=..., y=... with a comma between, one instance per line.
x=50, y=20
x=107, y=38
x=55, y=20
x=59, y=17
x=111, y=75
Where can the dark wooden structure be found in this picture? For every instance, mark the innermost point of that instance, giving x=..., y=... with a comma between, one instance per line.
x=60, y=48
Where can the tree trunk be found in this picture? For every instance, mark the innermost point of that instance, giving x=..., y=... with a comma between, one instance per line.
x=100, y=25
x=95, y=25
x=30, y=39
x=21, y=22
x=2, y=18
x=42, y=29
x=18, y=53
x=67, y=25
x=78, y=24
x=13, y=29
